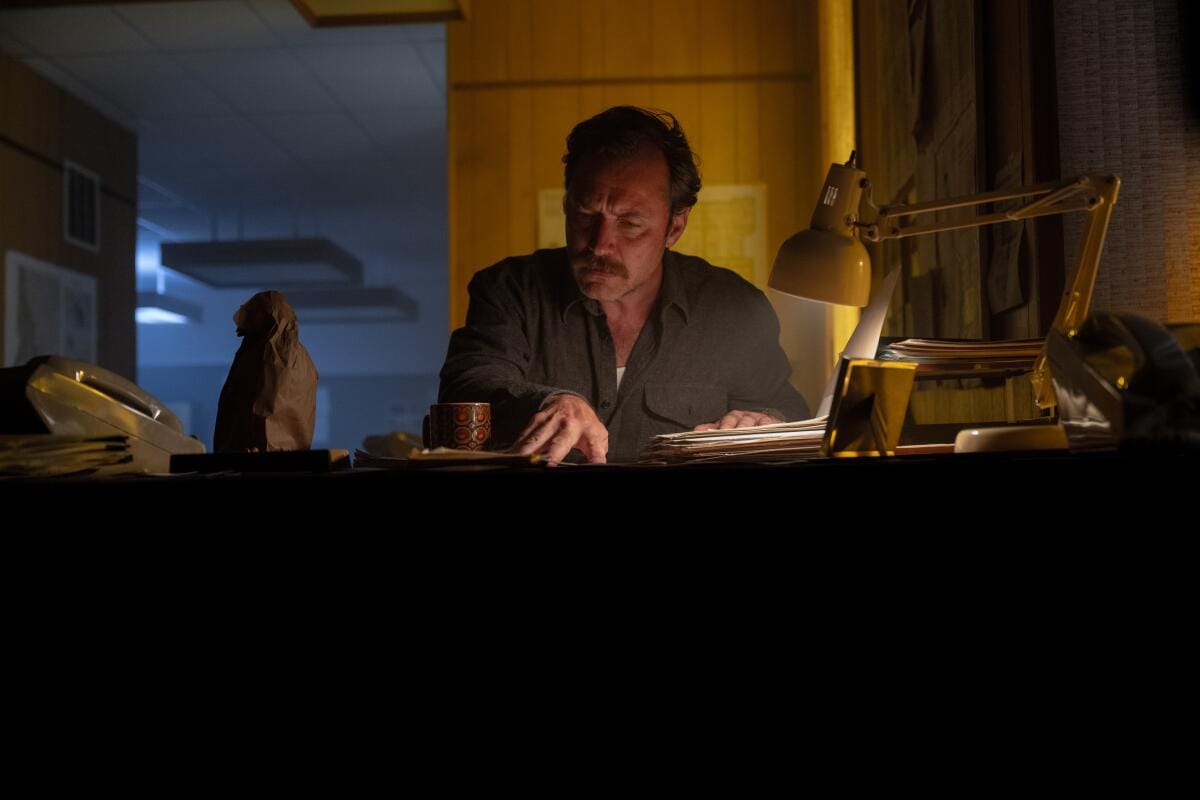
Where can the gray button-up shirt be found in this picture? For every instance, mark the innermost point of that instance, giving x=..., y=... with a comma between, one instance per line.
x=709, y=346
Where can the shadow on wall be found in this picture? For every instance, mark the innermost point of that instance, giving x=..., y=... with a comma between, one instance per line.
x=349, y=407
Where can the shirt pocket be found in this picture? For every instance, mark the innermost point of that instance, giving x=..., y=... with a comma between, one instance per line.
x=686, y=404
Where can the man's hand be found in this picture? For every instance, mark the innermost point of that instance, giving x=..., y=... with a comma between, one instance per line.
x=565, y=421
x=739, y=419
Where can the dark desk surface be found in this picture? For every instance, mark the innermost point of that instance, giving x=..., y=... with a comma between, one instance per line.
x=768, y=567
x=1001, y=483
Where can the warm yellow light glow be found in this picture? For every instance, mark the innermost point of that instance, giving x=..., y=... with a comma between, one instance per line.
x=813, y=334
x=835, y=71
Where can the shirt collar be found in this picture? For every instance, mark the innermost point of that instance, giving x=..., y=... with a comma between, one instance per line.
x=673, y=292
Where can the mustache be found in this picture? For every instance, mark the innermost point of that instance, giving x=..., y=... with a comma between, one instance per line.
x=600, y=264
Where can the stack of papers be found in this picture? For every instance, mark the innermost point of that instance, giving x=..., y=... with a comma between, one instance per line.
x=783, y=441
x=46, y=455
x=959, y=355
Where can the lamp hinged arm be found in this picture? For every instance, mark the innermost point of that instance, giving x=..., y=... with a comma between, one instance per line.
x=1096, y=194
x=1084, y=193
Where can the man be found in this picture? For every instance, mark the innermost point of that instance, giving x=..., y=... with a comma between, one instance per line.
x=614, y=339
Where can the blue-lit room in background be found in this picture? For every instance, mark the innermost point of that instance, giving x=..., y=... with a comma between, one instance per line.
x=254, y=127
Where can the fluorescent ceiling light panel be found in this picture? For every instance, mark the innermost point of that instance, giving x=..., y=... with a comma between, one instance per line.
x=157, y=316
x=163, y=309
x=264, y=263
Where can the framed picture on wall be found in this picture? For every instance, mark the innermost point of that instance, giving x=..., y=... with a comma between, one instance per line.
x=48, y=310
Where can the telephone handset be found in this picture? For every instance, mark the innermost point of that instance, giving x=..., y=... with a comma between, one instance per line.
x=115, y=386
x=52, y=394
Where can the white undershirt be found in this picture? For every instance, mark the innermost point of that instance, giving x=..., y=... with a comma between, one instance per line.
x=620, y=374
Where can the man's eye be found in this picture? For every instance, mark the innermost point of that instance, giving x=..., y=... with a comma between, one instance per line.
x=630, y=225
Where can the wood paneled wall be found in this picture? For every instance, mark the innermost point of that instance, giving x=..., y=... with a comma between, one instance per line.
x=40, y=127
x=737, y=73
x=919, y=120
x=957, y=97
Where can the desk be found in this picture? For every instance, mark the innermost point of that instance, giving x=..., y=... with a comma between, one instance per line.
x=884, y=568
x=910, y=493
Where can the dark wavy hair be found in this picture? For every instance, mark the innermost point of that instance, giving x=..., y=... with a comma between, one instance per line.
x=621, y=130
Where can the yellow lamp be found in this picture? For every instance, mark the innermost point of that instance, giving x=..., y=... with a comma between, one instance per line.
x=830, y=264
x=827, y=262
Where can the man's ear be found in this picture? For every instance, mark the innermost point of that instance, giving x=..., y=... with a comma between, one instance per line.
x=678, y=223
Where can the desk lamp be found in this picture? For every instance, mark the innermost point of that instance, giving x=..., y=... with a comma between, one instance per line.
x=827, y=262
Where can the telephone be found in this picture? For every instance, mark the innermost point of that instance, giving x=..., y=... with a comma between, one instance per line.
x=51, y=394
x=1124, y=380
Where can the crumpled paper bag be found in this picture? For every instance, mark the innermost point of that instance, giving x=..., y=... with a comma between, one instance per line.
x=269, y=401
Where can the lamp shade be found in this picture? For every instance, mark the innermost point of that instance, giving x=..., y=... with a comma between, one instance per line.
x=827, y=262
x=824, y=266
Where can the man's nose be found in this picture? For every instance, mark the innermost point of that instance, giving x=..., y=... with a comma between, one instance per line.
x=603, y=236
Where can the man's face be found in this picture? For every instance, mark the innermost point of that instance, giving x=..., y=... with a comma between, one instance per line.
x=619, y=222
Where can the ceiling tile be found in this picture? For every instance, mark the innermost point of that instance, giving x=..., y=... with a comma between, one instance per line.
x=209, y=25
x=364, y=201
x=260, y=80
x=221, y=140
x=157, y=151
x=191, y=180
x=406, y=135
x=375, y=77
x=317, y=137
x=147, y=84
x=205, y=188
x=72, y=31
x=241, y=188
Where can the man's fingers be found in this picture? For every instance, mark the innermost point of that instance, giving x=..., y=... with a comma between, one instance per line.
x=558, y=447
x=566, y=422
x=730, y=420
x=737, y=419
x=536, y=421
x=554, y=439
x=533, y=442
x=594, y=445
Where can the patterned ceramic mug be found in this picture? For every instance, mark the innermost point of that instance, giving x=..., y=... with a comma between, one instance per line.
x=459, y=426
